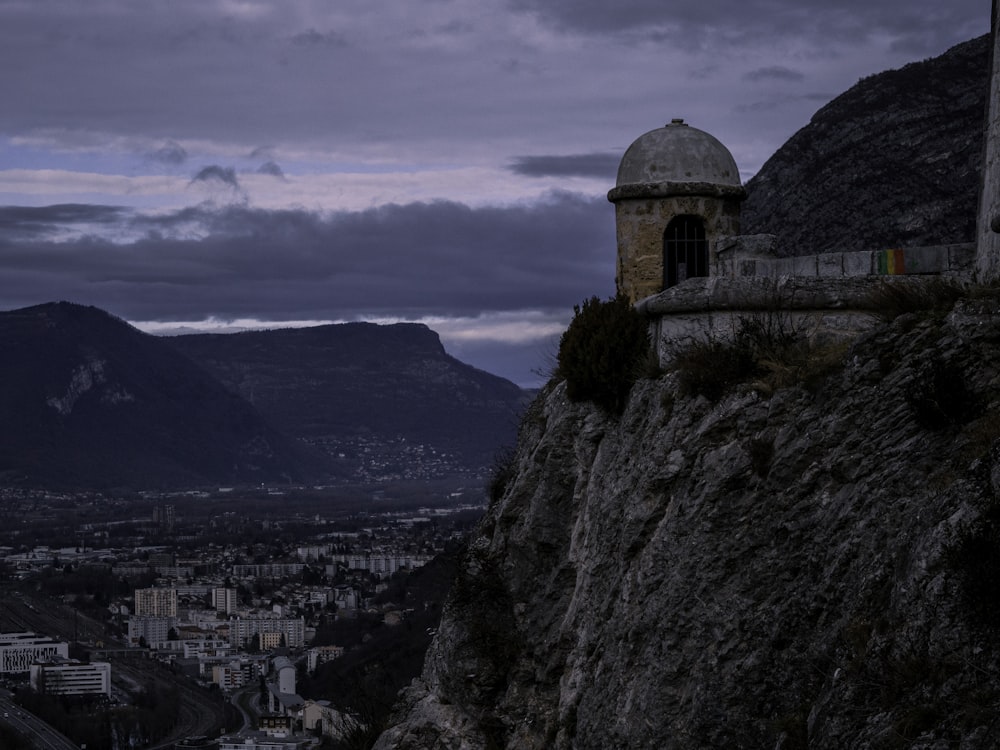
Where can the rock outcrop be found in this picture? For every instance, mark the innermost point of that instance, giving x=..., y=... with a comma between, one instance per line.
x=804, y=566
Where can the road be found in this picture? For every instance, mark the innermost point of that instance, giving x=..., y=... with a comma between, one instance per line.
x=41, y=735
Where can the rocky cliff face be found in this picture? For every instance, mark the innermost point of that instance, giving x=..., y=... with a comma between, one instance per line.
x=801, y=566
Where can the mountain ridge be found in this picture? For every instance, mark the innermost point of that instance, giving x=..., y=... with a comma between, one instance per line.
x=89, y=401
x=894, y=161
x=333, y=385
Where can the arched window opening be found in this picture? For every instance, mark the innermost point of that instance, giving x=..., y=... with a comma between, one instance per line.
x=685, y=250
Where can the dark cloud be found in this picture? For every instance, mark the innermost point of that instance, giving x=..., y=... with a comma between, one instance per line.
x=215, y=173
x=170, y=153
x=439, y=258
x=774, y=73
x=427, y=84
x=917, y=26
x=271, y=168
x=601, y=165
x=30, y=222
x=314, y=38
x=263, y=152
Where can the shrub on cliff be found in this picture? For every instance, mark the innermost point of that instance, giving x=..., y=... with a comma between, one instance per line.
x=765, y=347
x=603, y=351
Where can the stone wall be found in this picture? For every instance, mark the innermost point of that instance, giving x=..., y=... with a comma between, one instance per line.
x=816, y=307
x=753, y=256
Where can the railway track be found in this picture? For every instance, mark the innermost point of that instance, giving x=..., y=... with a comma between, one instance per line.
x=200, y=712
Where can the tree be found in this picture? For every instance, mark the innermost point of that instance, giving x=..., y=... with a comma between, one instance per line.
x=602, y=352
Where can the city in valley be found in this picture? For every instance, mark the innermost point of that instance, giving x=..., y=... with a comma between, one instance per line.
x=283, y=618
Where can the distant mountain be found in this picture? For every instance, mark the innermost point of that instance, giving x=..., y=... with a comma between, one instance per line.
x=894, y=161
x=383, y=399
x=88, y=401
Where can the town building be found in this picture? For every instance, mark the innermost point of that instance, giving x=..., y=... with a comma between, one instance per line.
x=292, y=629
x=321, y=655
x=149, y=630
x=156, y=602
x=59, y=676
x=268, y=570
x=229, y=676
x=263, y=741
x=282, y=700
x=18, y=651
x=224, y=600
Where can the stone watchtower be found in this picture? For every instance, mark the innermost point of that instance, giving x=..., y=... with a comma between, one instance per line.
x=678, y=190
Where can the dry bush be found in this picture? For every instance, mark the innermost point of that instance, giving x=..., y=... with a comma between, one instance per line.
x=890, y=299
x=766, y=348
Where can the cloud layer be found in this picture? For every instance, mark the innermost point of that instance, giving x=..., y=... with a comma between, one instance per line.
x=416, y=260
x=444, y=160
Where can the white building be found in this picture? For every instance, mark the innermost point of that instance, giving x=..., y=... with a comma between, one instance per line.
x=71, y=677
x=224, y=600
x=229, y=676
x=284, y=674
x=321, y=655
x=268, y=570
x=156, y=602
x=378, y=563
x=19, y=650
x=242, y=630
x=262, y=741
x=152, y=630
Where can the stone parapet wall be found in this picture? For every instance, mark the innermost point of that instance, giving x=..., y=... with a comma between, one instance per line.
x=819, y=307
x=753, y=256
x=720, y=293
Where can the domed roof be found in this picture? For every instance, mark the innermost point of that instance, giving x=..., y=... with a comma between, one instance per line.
x=678, y=153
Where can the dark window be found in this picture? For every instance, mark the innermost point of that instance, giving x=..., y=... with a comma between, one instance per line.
x=685, y=251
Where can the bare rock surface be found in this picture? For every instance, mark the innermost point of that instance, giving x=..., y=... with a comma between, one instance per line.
x=784, y=568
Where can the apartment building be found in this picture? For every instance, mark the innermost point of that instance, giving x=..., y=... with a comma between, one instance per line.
x=242, y=630
x=150, y=629
x=156, y=602
x=224, y=600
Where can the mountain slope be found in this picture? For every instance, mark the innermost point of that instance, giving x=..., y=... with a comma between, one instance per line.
x=806, y=567
x=892, y=162
x=88, y=401
x=392, y=386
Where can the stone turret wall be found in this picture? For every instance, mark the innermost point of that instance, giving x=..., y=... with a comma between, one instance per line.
x=640, y=225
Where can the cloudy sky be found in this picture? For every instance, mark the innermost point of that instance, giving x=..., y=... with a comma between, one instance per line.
x=218, y=164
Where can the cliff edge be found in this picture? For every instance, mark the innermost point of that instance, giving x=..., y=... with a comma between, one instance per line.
x=801, y=566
